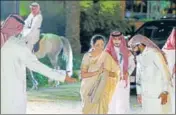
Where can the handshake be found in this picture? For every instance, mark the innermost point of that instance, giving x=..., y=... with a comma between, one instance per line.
x=68, y=79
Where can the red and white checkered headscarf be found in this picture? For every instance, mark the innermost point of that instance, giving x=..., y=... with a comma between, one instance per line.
x=11, y=26
x=171, y=41
x=123, y=49
x=146, y=41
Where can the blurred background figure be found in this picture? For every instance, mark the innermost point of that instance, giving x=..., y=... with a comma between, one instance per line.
x=169, y=50
x=33, y=25
x=32, y=32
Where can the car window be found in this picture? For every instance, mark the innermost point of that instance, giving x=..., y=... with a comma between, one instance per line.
x=158, y=34
x=147, y=31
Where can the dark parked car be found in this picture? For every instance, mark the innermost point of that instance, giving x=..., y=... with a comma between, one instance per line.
x=158, y=31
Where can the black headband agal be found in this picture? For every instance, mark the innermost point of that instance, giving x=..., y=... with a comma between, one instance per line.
x=116, y=34
x=18, y=19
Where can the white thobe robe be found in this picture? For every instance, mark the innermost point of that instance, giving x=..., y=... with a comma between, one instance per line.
x=15, y=57
x=173, y=94
x=120, y=103
x=32, y=29
x=170, y=56
x=152, y=78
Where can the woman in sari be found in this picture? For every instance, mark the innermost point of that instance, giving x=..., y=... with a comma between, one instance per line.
x=97, y=64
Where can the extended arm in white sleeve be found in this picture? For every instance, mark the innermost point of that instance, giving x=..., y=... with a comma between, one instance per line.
x=34, y=64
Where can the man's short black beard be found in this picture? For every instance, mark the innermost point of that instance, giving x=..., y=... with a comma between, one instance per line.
x=117, y=46
x=137, y=52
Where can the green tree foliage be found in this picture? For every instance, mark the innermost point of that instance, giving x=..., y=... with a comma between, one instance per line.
x=85, y=4
x=101, y=17
x=24, y=8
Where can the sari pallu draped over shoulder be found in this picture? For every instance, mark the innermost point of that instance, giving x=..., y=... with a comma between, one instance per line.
x=97, y=93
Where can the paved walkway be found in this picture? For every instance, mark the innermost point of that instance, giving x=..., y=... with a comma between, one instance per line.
x=66, y=107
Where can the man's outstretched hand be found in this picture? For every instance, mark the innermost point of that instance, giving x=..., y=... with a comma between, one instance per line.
x=69, y=79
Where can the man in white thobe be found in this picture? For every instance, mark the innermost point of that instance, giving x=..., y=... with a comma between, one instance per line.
x=120, y=101
x=31, y=32
x=152, y=78
x=173, y=90
x=15, y=57
x=169, y=50
x=33, y=25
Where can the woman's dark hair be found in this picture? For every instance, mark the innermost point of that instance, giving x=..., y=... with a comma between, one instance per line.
x=97, y=37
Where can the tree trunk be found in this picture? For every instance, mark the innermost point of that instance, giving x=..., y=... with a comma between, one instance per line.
x=73, y=25
x=123, y=9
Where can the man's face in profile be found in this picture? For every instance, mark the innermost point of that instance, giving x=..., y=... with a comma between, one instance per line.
x=34, y=9
x=136, y=50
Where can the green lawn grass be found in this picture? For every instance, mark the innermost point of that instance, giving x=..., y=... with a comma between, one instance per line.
x=63, y=92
